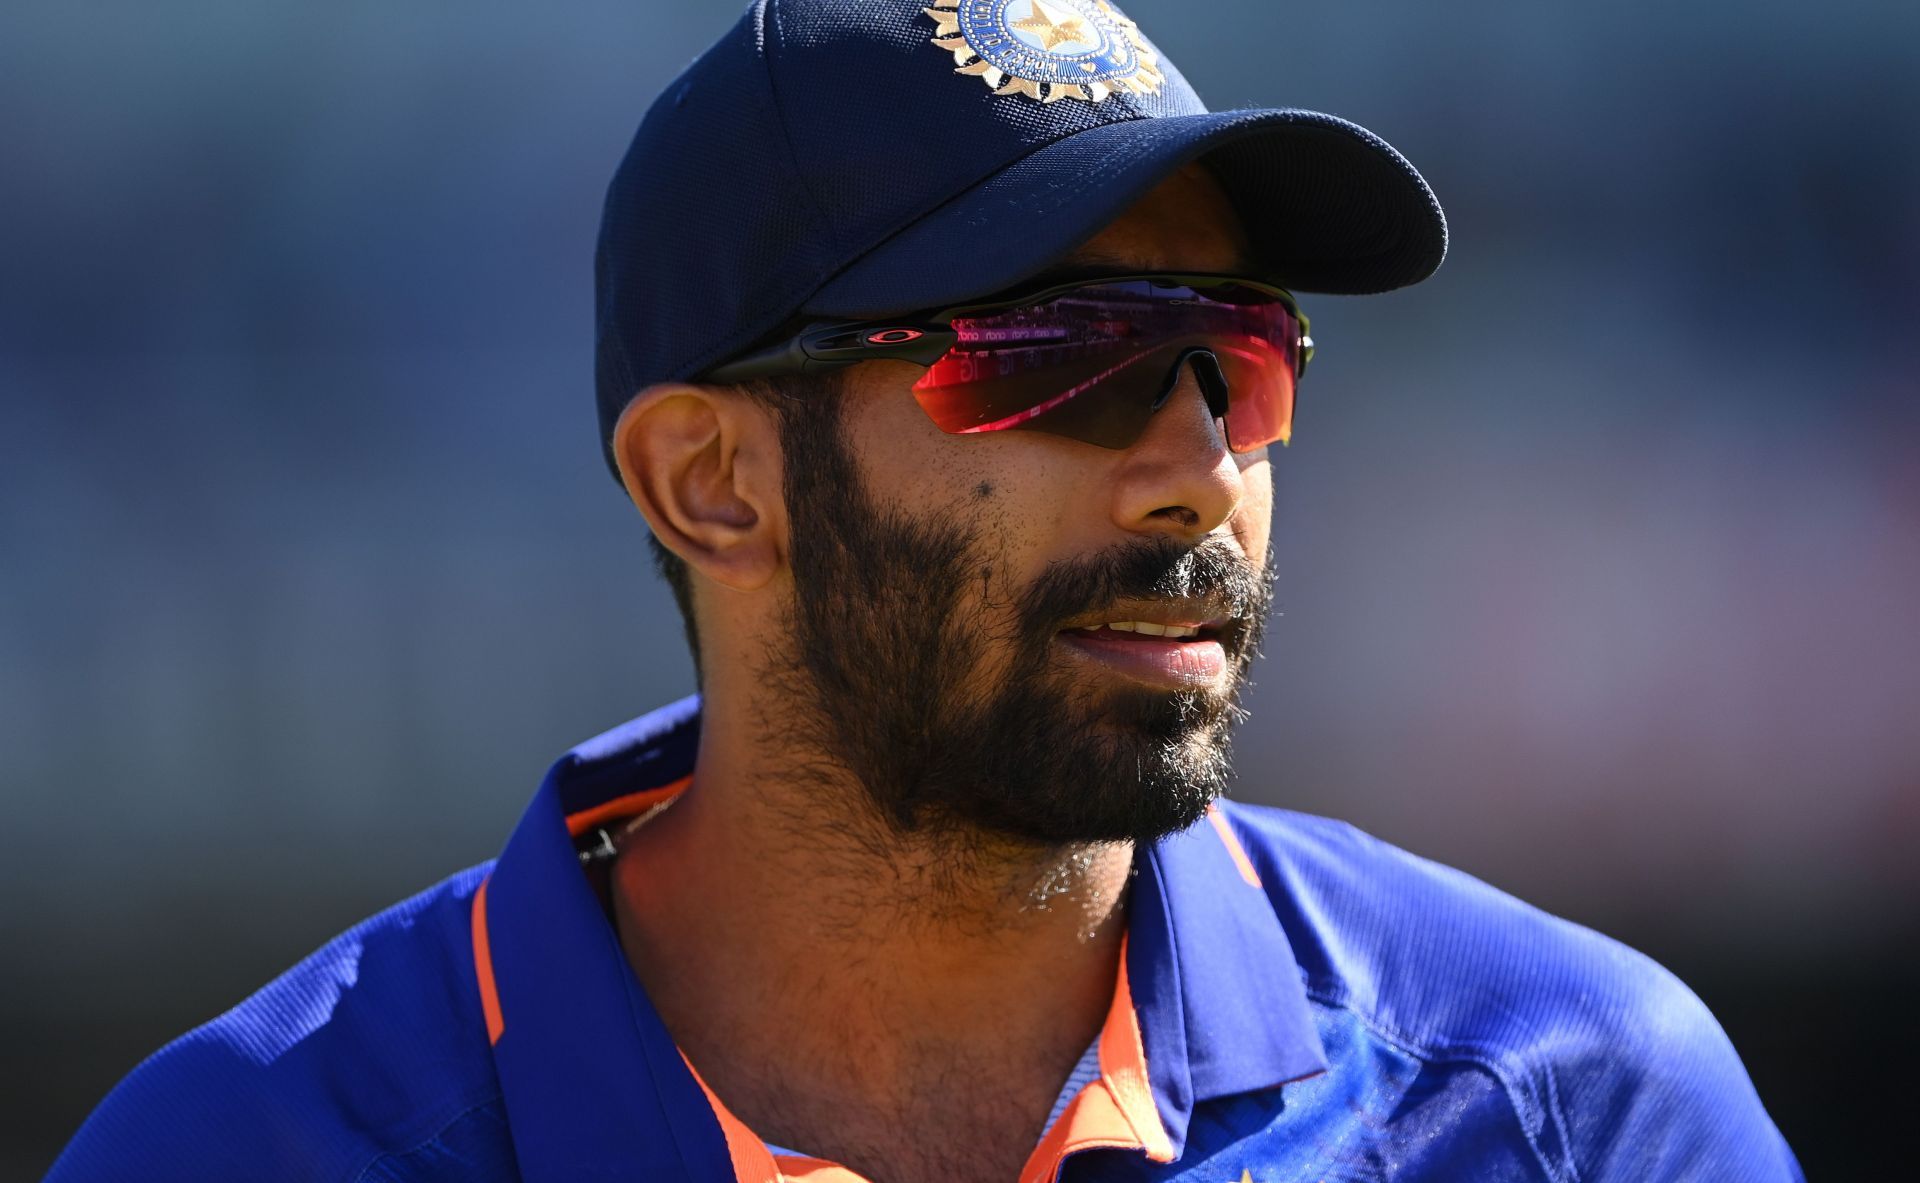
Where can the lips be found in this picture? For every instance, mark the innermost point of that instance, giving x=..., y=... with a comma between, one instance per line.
x=1170, y=654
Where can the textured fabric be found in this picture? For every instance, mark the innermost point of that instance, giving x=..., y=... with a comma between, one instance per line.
x=822, y=159
x=1314, y=1005
x=372, y=1047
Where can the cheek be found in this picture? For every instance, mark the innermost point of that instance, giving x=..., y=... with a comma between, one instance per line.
x=1253, y=519
x=1011, y=488
x=906, y=462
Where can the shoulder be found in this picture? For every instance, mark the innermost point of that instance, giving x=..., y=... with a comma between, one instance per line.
x=1613, y=1064
x=371, y=1050
x=1440, y=958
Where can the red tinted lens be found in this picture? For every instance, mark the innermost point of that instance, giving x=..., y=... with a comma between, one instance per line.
x=1260, y=384
x=1092, y=363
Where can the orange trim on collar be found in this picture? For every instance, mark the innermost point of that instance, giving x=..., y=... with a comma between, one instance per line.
x=577, y=824
x=1224, y=828
x=798, y=1168
x=627, y=806
x=483, y=966
x=1117, y=1110
x=752, y=1162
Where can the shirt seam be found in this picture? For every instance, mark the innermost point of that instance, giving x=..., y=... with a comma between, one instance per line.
x=440, y=1132
x=1496, y=1064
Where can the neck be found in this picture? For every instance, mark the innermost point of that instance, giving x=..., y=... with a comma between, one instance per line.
x=778, y=920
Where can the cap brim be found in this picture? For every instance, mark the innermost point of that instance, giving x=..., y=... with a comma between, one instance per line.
x=1328, y=207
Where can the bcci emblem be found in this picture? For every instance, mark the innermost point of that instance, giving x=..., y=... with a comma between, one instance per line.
x=1047, y=49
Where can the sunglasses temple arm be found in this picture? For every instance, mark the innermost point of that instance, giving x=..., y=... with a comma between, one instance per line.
x=833, y=347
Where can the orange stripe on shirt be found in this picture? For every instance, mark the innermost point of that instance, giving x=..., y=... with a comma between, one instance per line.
x=483, y=966
x=627, y=806
x=577, y=824
x=1225, y=829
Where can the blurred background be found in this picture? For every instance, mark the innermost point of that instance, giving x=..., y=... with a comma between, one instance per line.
x=1599, y=553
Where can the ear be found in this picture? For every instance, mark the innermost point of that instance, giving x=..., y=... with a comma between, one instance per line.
x=702, y=465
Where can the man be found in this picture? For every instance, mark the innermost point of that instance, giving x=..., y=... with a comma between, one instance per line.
x=950, y=406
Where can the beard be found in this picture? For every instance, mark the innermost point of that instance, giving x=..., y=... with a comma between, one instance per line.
x=946, y=695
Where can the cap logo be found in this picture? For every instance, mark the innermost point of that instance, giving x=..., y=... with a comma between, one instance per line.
x=1047, y=49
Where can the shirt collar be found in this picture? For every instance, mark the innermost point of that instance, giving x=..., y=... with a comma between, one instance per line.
x=596, y=1089
x=1221, y=1002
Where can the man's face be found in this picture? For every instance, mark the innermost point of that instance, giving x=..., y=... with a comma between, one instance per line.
x=950, y=592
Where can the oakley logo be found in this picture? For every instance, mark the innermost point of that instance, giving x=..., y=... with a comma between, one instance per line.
x=894, y=336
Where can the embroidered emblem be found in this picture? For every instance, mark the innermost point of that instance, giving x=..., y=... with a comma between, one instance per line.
x=1047, y=49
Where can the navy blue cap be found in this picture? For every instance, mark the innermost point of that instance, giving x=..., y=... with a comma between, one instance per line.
x=869, y=158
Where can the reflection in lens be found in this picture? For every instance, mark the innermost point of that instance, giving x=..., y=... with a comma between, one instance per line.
x=1090, y=363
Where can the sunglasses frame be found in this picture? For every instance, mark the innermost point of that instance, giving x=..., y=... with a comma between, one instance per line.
x=925, y=338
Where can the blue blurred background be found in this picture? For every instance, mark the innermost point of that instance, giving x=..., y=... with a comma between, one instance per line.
x=1599, y=553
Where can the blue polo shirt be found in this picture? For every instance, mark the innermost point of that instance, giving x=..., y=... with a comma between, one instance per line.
x=1296, y=1002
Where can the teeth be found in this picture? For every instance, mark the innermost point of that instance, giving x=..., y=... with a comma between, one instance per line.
x=1148, y=628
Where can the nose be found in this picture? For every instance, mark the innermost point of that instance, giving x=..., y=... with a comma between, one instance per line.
x=1179, y=478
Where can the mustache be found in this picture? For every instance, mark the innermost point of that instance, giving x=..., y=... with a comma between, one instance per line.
x=1213, y=573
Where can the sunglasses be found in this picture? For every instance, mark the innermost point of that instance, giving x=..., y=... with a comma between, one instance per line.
x=1091, y=360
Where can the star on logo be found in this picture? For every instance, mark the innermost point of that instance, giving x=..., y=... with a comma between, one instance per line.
x=1048, y=26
